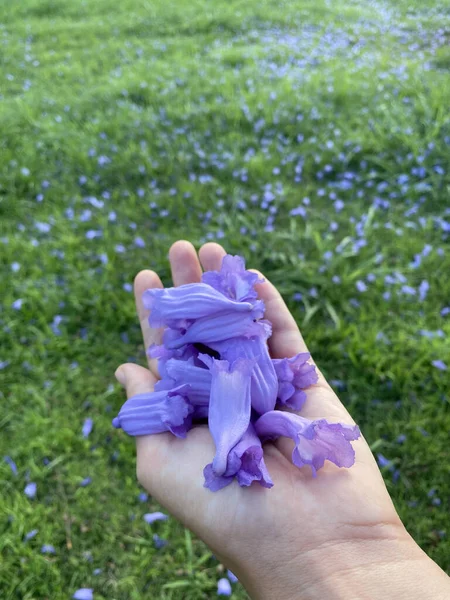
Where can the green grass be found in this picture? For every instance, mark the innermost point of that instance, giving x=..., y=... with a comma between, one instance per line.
x=169, y=92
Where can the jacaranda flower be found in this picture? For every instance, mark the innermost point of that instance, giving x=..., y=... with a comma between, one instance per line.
x=245, y=463
x=169, y=306
x=84, y=594
x=294, y=375
x=156, y=412
x=229, y=408
x=315, y=441
x=207, y=330
x=264, y=386
x=233, y=280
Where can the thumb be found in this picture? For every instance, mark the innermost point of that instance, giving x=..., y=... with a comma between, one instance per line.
x=135, y=379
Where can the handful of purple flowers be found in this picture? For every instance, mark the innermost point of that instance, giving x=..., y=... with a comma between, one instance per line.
x=214, y=364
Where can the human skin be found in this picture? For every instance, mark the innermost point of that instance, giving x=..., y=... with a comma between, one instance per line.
x=331, y=537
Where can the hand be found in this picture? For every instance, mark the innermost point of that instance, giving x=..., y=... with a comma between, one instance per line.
x=326, y=537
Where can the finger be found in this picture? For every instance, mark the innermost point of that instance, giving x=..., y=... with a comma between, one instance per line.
x=211, y=256
x=135, y=379
x=184, y=263
x=146, y=280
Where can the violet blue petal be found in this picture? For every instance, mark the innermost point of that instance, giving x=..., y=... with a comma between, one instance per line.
x=198, y=378
x=30, y=489
x=31, y=534
x=233, y=280
x=439, y=364
x=84, y=594
x=48, y=549
x=230, y=405
x=156, y=412
x=264, y=386
x=8, y=460
x=294, y=375
x=245, y=463
x=190, y=301
x=315, y=441
x=159, y=542
x=212, y=329
x=155, y=516
x=223, y=587
x=87, y=427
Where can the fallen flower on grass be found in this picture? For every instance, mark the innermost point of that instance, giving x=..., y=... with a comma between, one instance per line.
x=155, y=516
x=84, y=594
x=30, y=489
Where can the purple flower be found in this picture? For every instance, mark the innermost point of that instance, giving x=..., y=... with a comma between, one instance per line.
x=439, y=364
x=87, y=427
x=233, y=281
x=156, y=412
x=185, y=372
x=408, y=290
x=264, y=385
x=232, y=577
x=207, y=330
x=229, y=408
x=8, y=460
x=423, y=290
x=86, y=481
x=315, y=441
x=294, y=375
x=48, y=549
x=445, y=311
x=245, y=463
x=224, y=587
x=155, y=516
x=139, y=242
x=84, y=594
x=96, y=571
x=159, y=542
x=298, y=211
x=383, y=461
x=17, y=304
x=143, y=497
x=361, y=286
x=30, y=489
x=176, y=306
x=31, y=534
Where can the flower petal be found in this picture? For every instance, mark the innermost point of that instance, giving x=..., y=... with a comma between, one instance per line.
x=264, y=386
x=233, y=280
x=212, y=329
x=245, y=463
x=184, y=372
x=84, y=594
x=155, y=516
x=229, y=408
x=190, y=301
x=315, y=441
x=156, y=412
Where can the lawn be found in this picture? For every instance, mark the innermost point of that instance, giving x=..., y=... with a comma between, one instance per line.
x=313, y=138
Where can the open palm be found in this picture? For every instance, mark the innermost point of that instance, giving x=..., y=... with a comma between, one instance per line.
x=255, y=530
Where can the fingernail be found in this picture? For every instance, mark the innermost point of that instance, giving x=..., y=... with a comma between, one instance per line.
x=121, y=376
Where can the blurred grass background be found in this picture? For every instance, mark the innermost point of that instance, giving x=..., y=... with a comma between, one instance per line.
x=311, y=137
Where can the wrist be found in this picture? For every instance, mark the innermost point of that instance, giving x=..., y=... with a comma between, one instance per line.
x=374, y=568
